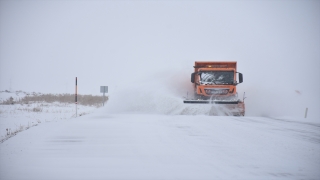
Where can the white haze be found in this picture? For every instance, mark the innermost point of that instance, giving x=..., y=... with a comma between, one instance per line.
x=144, y=51
x=160, y=94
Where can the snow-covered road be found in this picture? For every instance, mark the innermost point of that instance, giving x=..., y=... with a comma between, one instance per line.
x=142, y=146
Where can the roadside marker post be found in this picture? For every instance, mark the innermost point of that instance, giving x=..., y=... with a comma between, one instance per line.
x=76, y=96
x=306, y=113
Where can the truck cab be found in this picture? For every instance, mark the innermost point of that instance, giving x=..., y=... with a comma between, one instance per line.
x=215, y=80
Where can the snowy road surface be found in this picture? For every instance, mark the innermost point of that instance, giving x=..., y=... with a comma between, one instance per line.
x=136, y=146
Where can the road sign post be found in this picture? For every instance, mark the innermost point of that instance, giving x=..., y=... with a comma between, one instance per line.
x=103, y=89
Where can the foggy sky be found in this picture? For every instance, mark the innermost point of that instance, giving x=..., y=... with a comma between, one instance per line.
x=44, y=45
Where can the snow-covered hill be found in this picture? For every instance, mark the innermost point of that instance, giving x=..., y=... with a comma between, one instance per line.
x=5, y=95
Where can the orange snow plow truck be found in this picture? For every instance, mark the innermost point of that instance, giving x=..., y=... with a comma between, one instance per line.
x=215, y=83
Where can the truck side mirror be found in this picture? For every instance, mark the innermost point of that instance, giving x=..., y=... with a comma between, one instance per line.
x=240, y=78
x=192, y=77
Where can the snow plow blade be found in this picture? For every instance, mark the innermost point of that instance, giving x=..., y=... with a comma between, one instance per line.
x=235, y=108
x=209, y=102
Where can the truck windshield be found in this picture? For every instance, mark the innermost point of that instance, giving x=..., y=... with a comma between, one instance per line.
x=216, y=77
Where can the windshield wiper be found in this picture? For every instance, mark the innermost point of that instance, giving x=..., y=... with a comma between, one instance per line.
x=217, y=82
x=213, y=82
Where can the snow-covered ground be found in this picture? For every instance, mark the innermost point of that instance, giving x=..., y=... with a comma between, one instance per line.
x=18, y=117
x=104, y=145
x=154, y=136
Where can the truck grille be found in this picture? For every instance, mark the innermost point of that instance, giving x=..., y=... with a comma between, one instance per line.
x=216, y=91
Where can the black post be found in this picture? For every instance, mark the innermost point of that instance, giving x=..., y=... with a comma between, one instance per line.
x=76, y=95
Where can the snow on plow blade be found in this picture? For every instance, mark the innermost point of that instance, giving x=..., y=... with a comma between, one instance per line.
x=209, y=102
x=235, y=108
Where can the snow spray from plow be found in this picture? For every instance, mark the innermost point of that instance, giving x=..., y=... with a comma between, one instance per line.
x=159, y=103
x=162, y=96
x=163, y=93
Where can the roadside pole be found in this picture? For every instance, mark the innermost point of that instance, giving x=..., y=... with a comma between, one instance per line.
x=306, y=113
x=76, y=96
x=103, y=89
x=104, y=99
